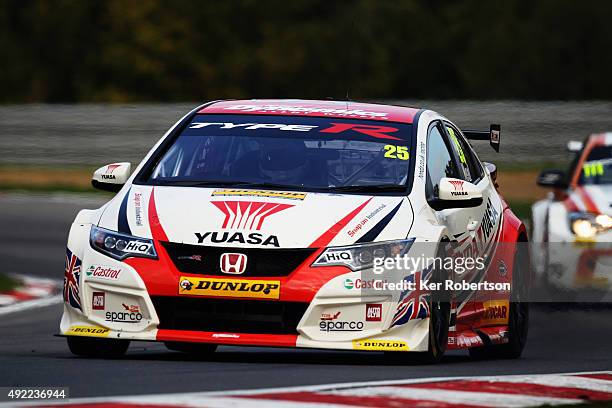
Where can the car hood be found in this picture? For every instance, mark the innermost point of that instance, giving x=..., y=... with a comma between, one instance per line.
x=256, y=218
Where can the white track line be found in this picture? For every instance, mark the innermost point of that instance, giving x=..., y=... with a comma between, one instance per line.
x=592, y=384
x=485, y=399
x=30, y=304
x=198, y=399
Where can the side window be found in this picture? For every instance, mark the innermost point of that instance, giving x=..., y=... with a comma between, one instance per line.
x=440, y=161
x=470, y=166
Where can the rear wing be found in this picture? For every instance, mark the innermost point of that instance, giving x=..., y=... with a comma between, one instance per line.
x=493, y=135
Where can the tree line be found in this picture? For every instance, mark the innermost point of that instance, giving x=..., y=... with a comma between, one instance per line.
x=152, y=50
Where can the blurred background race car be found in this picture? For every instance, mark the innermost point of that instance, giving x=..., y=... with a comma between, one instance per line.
x=571, y=228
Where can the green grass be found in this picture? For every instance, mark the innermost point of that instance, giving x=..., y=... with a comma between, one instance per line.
x=52, y=188
x=7, y=283
x=521, y=209
x=48, y=188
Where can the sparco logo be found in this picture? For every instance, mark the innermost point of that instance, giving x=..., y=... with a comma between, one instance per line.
x=331, y=325
x=123, y=317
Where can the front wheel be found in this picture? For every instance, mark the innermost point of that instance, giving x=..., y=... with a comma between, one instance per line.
x=518, y=316
x=438, y=332
x=97, y=348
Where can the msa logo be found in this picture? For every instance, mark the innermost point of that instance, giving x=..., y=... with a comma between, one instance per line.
x=458, y=188
x=231, y=263
x=97, y=301
x=330, y=316
x=373, y=312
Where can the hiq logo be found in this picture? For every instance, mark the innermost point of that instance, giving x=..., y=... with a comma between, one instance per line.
x=339, y=256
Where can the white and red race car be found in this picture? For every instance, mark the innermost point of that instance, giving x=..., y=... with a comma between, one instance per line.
x=571, y=233
x=261, y=223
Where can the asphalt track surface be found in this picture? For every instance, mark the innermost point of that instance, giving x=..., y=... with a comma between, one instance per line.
x=34, y=230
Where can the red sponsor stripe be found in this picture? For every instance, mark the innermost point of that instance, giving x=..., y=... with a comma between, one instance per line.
x=157, y=231
x=607, y=377
x=570, y=205
x=328, y=235
x=360, y=401
x=502, y=387
x=588, y=202
x=271, y=340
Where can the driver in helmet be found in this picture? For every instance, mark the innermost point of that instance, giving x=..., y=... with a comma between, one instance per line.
x=284, y=161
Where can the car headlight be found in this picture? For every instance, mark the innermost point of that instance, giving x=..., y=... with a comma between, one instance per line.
x=121, y=246
x=358, y=257
x=586, y=225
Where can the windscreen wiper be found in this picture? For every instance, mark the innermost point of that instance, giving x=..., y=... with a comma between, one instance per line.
x=223, y=183
x=374, y=188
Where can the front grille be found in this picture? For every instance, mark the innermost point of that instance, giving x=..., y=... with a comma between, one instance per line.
x=228, y=315
x=197, y=259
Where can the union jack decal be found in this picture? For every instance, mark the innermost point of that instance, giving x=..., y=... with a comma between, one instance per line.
x=413, y=304
x=72, y=277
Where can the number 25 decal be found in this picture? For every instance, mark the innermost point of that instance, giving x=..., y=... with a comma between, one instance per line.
x=396, y=152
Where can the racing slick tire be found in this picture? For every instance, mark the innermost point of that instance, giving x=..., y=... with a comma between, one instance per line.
x=518, y=315
x=439, y=321
x=196, y=349
x=97, y=348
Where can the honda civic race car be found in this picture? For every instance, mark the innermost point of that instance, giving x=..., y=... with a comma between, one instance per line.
x=261, y=223
x=571, y=234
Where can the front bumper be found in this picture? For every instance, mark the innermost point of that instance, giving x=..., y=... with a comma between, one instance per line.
x=142, y=299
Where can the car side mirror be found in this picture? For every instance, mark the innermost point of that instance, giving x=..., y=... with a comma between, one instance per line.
x=492, y=170
x=112, y=176
x=552, y=178
x=456, y=193
x=574, y=146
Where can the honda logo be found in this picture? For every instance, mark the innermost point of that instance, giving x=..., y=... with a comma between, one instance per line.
x=233, y=263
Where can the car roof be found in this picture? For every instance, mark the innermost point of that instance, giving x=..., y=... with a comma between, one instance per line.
x=301, y=107
x=601, y=139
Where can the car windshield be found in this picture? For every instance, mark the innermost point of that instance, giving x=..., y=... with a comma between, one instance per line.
x=297, y=153
x=597, y=168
